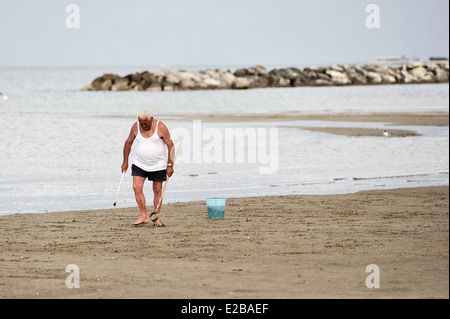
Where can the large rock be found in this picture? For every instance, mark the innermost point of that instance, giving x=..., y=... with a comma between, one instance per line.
x=135, y=77
x=241, y=83
x=106, y=85
x=388, y=79
x=338, y=68
x=408, y=78
x=322, y=75
x=418, y=72
x=259, y=81
x=357, y=75
x=187, y=81
x=223, y=77
x=258, y=70
x=226, y=78
x=153, y=88
x=102, y=83
x=134, y=86
x=150, y=82
x=96, y=84
x=422, y=74
x=257, y=77
x=310, y=73
x=290, y=73
x=441, y=75
x=302, y=80
x=109, y=76
x=321, y=82
x=211, y=83
x=276, y=78
x=338, y=77
x=120, y=84
x=374, y=78
x=171, y=78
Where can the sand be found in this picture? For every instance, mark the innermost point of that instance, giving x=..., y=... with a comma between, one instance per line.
x=396, y=118
x=295, y=247
x=357, y=131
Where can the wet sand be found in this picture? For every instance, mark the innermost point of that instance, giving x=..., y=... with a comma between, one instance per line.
x=356, y=131
x=393, y=119
x=410, y=119
x=266, y=247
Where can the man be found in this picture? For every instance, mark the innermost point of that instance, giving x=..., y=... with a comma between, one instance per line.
x=152, y=160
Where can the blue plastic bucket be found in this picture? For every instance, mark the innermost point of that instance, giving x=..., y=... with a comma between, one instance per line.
x=216, y=208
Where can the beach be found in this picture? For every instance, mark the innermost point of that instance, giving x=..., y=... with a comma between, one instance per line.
x=267, y=247
x=330, y=146
x=275, y=247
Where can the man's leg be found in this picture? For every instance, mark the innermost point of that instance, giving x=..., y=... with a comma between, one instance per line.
x=157, y=192
x=138, y=187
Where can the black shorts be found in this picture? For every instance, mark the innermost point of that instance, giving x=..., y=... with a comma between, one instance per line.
x=158, y=176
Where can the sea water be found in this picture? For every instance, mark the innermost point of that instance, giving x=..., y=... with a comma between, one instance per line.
x=61, y=147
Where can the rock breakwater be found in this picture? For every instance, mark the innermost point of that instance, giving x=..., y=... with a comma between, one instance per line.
x=260, y=77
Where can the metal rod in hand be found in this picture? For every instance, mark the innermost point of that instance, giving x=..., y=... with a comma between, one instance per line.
x=118, y=190
x=168, y=177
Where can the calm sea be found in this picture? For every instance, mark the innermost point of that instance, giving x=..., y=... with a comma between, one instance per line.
x=61, y=148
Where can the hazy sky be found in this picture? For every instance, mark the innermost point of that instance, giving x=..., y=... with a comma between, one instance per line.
x=218, y=32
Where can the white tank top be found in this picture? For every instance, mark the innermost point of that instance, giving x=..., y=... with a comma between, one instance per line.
x=150, y=153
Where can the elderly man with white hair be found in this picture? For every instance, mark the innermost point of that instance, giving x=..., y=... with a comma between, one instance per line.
x=152, y=160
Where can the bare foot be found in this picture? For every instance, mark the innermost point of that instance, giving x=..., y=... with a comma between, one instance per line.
x=158, y=223
x=141, y=221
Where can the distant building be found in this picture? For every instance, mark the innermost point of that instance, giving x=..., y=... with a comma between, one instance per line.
x=438, y=59
x=394, y=60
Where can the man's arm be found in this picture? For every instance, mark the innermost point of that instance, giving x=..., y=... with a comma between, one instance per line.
x=127, y=147
x=165, y=135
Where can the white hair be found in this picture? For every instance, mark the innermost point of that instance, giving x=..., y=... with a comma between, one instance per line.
x=145, y=114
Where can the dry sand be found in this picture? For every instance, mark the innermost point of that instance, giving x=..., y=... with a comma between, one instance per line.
x=268, y=247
